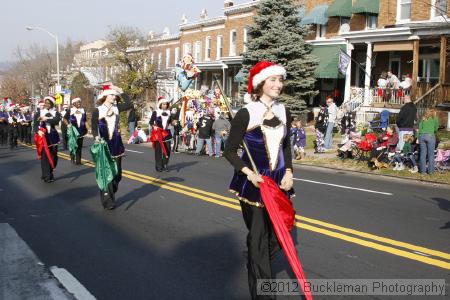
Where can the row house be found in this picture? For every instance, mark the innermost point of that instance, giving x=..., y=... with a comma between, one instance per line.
x=94, y=61
x=407, y=37
x=216, y=44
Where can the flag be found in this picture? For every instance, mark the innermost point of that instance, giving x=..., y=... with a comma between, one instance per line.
x=42, y=146
x=158, y=135
x=105, y=165
x=344, y=61
x=72, y=134
x=282, y=215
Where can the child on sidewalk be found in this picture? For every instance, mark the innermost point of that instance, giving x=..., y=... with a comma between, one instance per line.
x=299, y=140
x=406, y=153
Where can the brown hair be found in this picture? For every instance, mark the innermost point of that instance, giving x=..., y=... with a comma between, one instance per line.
x=101, y=100
x=429, y=113
x=408, y=138
x=258, y=91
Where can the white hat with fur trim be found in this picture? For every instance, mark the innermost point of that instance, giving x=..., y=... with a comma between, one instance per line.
x=77, y=99
x=162, y=100
x=50, y=98
x=110, y=90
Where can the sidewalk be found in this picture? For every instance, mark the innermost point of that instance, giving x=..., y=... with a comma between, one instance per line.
x=22, y=275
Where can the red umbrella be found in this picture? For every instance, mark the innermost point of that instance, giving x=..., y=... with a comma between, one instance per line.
x=158, y=135
x=282, y=215
x=41, y=144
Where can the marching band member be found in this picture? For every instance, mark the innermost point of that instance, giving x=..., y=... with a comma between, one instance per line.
x=77, y=117
x=264, y=125
x=4, y=116
x=161, y=136
x=105, y=124
x=13, y=127
x=25, y=122
x=47, y=137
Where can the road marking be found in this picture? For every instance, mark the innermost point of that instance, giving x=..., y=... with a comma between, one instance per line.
x=414, y=252
x=71, y=284
x=134, y=151
x=344, y=187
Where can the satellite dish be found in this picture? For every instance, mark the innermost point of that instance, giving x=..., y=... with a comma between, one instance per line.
x=345, y=28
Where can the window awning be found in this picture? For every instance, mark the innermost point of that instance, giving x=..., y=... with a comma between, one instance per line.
x=393, y=46
x=316, y=16
x=328, y=61
x=366, y=7
x=340, y=8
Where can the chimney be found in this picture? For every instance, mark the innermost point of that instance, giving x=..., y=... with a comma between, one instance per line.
x=204, y=14
x=228, y=3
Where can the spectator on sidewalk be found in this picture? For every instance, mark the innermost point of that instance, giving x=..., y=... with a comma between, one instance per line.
x=221, y=128
x=406, y=154
x=204, y=127
x=428, y=127
x=299, y=135
x=176, y=135
x=132, y=120
x=405, y=121
x=332, y=116
x=321, y=128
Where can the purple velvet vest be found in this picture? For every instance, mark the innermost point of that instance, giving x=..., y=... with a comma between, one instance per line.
x=82, y=130
x=52, y=136
x=256, y=144
x=115, y=143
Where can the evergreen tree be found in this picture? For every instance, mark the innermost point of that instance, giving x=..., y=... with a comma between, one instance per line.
x=277, y=36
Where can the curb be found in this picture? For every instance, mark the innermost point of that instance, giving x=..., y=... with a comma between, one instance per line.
x=373, y=174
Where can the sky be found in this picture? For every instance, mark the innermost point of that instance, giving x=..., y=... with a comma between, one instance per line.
x=88, y=20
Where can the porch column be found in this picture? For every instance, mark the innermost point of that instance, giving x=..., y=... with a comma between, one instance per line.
x=443, y=60
x=415, y=72
x=348, y=74
x=368, y=74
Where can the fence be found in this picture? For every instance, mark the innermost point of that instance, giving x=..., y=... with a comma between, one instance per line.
x=389, y=96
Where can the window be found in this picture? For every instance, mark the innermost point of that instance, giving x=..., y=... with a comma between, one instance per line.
x=187, y=48
x=404, y=10
x=198, y=51
x=208, y=42
x=371, y=22
x=345, y=24
x=245, y=39
x=177, y=56
x=233, y=37
x=439, y=8
x=167, y=58
x=321, y=31
x=159, y=60
x=219, y=47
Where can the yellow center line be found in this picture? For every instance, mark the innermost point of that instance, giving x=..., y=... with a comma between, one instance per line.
x=234, y=204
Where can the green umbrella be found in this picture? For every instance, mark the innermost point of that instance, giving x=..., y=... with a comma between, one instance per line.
x=72, y=134
x=105, y=165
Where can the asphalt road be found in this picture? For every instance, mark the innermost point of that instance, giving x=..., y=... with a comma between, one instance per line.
x=180, y=235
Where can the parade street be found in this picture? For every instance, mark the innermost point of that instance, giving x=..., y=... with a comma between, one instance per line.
x=180, y=234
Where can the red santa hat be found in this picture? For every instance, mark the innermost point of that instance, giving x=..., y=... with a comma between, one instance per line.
x=109, y=90
x=41, y=103
x=11, y=106
x=65, y=106
x=50, y=98
x=77, y=99
x=24, y=107
x=162, y=100
x=263, y=70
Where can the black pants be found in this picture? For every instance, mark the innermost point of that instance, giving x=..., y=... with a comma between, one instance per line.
x=3, y=134
x=13, y=134
x=176, y=142
x=76, y=159
x=262, y=244
x=47, y=171
x=161, y=161
x=64, y=136
x=26, y=134
x=107, y=197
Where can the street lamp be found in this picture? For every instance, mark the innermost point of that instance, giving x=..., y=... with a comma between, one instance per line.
x=57, y=48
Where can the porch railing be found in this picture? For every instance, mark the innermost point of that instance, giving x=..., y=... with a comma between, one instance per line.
x=438, y=94
x=389, y=96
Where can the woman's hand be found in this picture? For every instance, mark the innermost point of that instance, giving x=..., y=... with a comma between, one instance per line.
x=41, y=133
x=255, y=179
x=288, y=181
